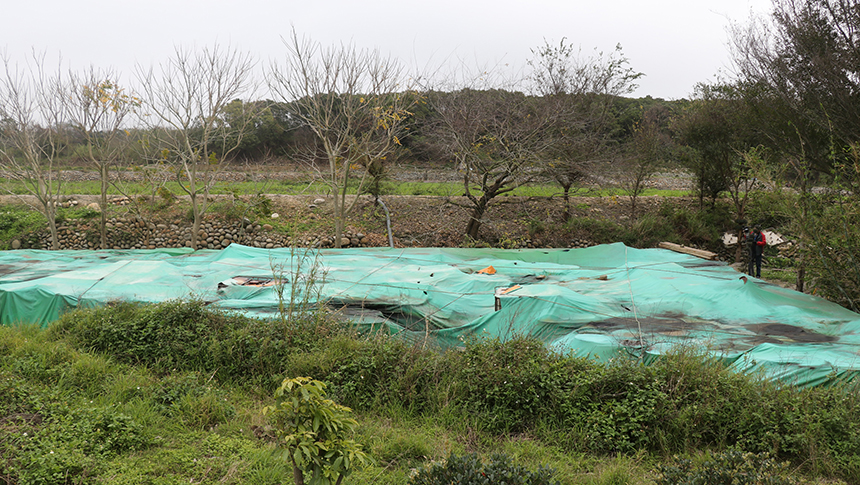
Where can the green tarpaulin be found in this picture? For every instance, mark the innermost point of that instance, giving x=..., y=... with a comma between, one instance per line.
x=602, y=302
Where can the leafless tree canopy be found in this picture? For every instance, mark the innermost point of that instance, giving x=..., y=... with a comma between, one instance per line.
x=581, y=90
x=183, y=104
x=355, y=102
x=494, y=132
x=32, y=132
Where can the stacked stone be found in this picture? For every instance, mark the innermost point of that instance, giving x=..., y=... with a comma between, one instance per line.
x=131, y=233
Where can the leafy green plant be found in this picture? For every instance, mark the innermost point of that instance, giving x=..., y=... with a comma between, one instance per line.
x=261, y=205
x=168, y=198
x=314, y=433
x=230, y=210
x=535, y=226
x=469, y=470
x=189, y=398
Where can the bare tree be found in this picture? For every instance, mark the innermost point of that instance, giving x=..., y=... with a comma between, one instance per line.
x=97, y=107
x=646, y=152
x=494, y=133
x=582, y=91
x=354, y=101
x=32, y=132
x=183, y=106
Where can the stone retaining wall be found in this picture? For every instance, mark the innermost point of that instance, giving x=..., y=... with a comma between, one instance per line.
x=131, y=233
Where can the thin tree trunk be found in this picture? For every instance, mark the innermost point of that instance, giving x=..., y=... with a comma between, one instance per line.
x=566, y=197
x=52, y=225
x=103, y=172
x=339, y=204
x=195, y=226
x=298, y=478
x=801, y=274
x=739, y=251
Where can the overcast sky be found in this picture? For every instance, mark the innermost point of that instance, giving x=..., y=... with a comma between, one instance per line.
x=675, y=43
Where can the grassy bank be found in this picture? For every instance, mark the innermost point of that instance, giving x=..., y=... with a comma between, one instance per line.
x=173, y=393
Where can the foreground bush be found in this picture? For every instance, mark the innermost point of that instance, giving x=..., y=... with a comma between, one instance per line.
x=185, y=335
x=728, y=468
x=469, y=470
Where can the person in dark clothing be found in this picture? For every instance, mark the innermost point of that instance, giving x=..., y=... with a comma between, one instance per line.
x=755, y=242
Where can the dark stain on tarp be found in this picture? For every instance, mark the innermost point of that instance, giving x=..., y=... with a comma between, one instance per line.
x=789, y=332
x=703, y=263
x=8, y=269
x=649, y=325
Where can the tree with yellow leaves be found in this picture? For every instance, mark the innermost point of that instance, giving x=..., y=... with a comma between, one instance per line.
x=97, y=108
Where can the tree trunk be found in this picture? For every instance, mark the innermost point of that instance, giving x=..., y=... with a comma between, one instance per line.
x=339, y=204
x=739, y=251
x=566, y=197
x=475, y=219
x=52, y=225
x=195, y=226
x=298, y=478
x=801, y=274
x=50, y=207
x=103, y=172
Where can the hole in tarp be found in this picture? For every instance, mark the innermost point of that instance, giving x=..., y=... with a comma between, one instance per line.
x=253, y=281
x=391, y=313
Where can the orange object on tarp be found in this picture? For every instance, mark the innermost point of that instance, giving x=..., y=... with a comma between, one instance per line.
x=487, y=270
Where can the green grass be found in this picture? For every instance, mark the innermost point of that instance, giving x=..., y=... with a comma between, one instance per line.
x=787, y=276
x=306, y=187
x=16, y=221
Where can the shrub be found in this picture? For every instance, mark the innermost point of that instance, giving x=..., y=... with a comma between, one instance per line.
x=598, y=230
x=384, y=371
x=168, y=198
x=231, y=210
x=732, y=467
x=768, y=208
x=509, y=386
x=180, y=335
x=469, y=470
x=627, y=402
x=189, y=398
x=170, y=335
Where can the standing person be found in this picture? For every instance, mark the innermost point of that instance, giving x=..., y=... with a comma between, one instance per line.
x=755, y=243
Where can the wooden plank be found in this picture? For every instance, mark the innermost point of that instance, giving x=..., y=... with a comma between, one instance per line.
x=699, y=253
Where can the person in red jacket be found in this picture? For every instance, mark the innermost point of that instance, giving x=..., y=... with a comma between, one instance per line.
x=756, y=242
